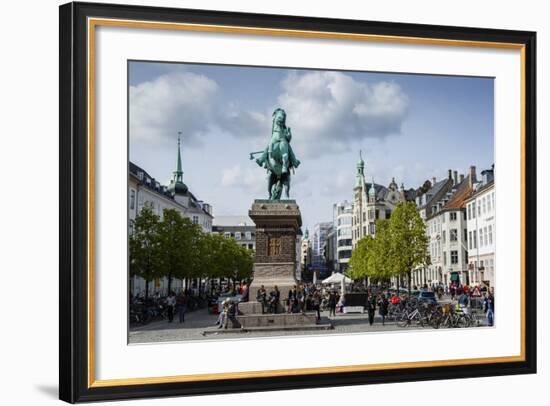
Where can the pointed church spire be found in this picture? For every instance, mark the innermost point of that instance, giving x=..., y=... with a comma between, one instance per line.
x=177, y=185
x=359, y=176
x=178, y=174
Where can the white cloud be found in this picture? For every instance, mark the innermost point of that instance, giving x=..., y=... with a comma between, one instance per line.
x=327, y=110
x=249, y=180
x=177, y=101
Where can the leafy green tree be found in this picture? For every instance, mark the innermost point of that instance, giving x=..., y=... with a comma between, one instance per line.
x=178, y=240
x=145, y=254
x=409, y=242
x=372, y=256
x=360, y=256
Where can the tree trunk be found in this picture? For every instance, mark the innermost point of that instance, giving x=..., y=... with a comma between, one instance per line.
x=398, y=284
x=169, y=283
x=409, y=282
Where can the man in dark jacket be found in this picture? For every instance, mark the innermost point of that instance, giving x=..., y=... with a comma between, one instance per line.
x=371, y=307
x=383, y=308
x=332, y=300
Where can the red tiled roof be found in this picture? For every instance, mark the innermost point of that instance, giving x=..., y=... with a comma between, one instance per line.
x=464, y=191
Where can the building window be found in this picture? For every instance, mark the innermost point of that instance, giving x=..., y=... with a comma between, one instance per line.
x=250, y=246
x=493, y=199
x=388, y=214
x=227, y=234
x=132, y=199
x=474, y=240
x=465, y=235
x=195, y=219
x=485, y=236
x=474, y=210
x=491, y=235
x=443, y=237
x=377, y=214
x=484, y=204
x=454, y=257
x=488, y=203
x=274, y=247
x=469, y=211
x=479, y=210
x=365, y=216
x=470, y=240
x=237, y=235
x=453, y=235
x=452, y=216
x=444, y=257
x=248, y=235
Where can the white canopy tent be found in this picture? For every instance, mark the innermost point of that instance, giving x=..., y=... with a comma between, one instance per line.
x=336, y=278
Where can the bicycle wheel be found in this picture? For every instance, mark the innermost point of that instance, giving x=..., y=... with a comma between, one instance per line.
x=462, y=321
x=404, y=321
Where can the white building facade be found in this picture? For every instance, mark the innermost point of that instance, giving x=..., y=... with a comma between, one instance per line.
x=480, y=212
x=343, y=215
x=444, y=211
x=372, y=202
x=144, y=190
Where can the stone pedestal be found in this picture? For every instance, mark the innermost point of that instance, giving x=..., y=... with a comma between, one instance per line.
x=277, y=228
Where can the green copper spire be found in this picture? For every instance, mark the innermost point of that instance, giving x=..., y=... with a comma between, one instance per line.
x=360, y=175
x=178, y=174
x=176, y=185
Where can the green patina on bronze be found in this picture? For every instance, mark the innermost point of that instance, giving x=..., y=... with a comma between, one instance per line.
x=278, y=157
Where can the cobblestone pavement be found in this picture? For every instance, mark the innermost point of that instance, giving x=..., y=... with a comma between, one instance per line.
x=197, y=322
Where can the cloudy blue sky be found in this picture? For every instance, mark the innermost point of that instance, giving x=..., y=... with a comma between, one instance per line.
x=411, y=127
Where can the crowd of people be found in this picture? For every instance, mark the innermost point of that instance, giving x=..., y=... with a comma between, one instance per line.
x=310, y=297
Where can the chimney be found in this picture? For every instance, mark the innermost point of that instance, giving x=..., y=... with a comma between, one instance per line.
x=455, y=177
x=472, y=175
x=450, y=174
x=433, y=181
x=461, y=178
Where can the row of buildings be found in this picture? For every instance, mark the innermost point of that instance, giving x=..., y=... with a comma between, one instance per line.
x=459, y=212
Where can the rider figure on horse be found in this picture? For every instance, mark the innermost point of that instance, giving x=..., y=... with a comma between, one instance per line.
x=280, y=142
x=278, y=157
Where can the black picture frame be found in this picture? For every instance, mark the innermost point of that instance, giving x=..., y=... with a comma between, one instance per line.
x=74, y=385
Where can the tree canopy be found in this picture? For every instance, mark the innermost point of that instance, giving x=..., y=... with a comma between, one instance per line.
x=175, y=247
x=399, y=246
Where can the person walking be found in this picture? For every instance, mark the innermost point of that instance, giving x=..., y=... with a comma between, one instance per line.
x=181, y=306
x=170, y=304
x=489, y=309
x=383, y=305
x=371, y=307
x=316, y=304
x=332, y=300
x=292, y=296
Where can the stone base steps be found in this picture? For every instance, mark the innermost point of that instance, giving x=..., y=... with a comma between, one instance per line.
x=311, y=327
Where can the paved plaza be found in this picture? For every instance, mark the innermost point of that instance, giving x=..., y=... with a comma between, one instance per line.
x=199, y=325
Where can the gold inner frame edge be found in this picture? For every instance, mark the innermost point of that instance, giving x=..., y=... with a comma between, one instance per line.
x=94, y=22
